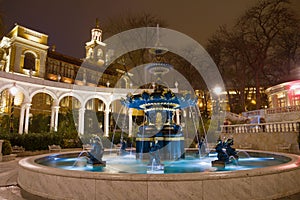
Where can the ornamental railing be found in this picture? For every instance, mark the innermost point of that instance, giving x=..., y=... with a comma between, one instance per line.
x=270, y=111
x=283, y=109
x=274, y=127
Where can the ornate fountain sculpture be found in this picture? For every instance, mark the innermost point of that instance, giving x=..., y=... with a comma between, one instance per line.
x=225, y=152
x=96, y=153
x=92, y=156
x=159, y=107
x=159, y=138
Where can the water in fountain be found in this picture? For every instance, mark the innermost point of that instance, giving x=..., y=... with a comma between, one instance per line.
x=81, y=161
x=244, y=152
x=155, y=166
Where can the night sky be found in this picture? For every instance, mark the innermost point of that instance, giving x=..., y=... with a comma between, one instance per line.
x=68, y=22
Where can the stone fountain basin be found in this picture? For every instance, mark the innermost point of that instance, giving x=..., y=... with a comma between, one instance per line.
x=261, y=183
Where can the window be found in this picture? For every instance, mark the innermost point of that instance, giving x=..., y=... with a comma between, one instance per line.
x=90, y=53
x=29, y=61
x=99, y=53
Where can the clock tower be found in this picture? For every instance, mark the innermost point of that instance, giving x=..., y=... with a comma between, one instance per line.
x=95, y=47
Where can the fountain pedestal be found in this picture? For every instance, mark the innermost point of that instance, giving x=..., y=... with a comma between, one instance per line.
x=170, y=140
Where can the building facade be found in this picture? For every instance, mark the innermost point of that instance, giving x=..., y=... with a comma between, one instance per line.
x=284, y=94
x=35, y=79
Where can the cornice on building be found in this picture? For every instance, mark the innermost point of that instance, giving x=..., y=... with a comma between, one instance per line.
x=28, y=34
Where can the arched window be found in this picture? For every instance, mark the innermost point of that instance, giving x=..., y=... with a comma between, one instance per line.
x=90, y=53
x=99, y=53
x=29, y=61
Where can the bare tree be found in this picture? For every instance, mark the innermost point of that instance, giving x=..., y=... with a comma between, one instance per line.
x=262, y=47
x=127, y=21
x=262, y=27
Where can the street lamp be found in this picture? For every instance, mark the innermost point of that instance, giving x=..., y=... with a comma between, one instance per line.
x=218, y=90
x=13, y=91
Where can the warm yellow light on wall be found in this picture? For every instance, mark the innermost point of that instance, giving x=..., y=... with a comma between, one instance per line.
x=253, y=101
x=33, y=38
x=200, y=104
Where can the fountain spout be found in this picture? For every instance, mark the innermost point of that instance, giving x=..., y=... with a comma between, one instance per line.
x=96, y=153
x=154, y=166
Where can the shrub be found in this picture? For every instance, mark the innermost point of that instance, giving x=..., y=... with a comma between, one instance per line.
x=40, y=141
x=6, y=147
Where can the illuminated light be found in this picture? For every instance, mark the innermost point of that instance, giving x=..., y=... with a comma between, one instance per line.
x=217, y=90
x=34, y=38
x=200, y=104
x=297, y=91
x=282, y=95
x=296, y=86
x=253, y=101
x=18, y=99
x=14, y=90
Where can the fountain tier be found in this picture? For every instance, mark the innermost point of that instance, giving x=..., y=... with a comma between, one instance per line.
x=159, y=107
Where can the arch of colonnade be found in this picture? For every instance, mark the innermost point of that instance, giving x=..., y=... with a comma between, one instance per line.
x=30, y=87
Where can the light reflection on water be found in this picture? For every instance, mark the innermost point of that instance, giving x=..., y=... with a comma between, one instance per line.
x=128, y=164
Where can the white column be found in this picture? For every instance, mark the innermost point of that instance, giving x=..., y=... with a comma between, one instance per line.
x=8, y=60
x=81, y=121
x=21, y=124
x=56, y=118
x=130, y=122
x=52, y=118
x=106, y=121
x=27, y=112
x=177, y=116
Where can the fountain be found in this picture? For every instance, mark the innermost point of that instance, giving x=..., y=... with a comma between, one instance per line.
x=159, y=137
x=161, y=167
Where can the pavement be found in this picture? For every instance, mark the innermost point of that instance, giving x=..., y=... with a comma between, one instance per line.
x=9, y=189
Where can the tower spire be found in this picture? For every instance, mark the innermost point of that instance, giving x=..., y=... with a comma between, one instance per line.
x=97, y=23
x=97, y=32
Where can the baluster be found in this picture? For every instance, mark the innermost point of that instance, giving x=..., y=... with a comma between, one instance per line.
x=290, y=127
x=271, y=127
x=286, y=127
x=279, y=127
x=294, y=125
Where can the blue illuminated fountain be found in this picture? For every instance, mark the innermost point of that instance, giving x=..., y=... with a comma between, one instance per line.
x=159, y=137
x=159, y=107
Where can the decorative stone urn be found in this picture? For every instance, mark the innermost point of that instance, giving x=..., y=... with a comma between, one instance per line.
x=1, y=141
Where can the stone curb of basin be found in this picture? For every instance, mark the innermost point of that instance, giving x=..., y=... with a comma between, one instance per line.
x=262, y=183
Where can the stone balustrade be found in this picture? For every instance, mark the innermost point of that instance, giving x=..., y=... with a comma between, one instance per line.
x=274, y=127
x=295, y=108
x=275, y=136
